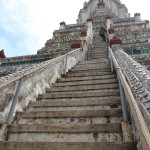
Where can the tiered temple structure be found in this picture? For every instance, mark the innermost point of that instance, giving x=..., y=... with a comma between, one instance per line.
x=102, y=103
x=133, y=32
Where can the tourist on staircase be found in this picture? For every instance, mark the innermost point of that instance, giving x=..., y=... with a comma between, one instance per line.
x=102, y=32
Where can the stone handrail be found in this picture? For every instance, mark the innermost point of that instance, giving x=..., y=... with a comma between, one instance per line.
x=9, y=79
x=138, y=122
x=35, y=80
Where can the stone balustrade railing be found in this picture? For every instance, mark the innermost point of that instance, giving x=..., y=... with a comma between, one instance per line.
x=134, y=82
x=35, y=80
x=139, y=79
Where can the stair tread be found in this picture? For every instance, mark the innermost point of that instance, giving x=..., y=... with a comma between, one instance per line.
x=67, y=146
x=88, y=78
x=78, y=94
x=74, y=103
x=40, y=128
x=83, y=87
x=88, y=82
x=66, y=114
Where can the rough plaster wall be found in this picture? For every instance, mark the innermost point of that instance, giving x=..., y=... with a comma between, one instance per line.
x=33, y=85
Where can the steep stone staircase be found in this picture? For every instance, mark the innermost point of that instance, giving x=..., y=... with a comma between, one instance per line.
x=80, y=112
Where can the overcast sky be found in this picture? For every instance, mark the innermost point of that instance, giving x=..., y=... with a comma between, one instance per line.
x=25, y=25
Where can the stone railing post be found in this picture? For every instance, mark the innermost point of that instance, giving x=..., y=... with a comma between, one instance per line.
x=108, y=22
x=84, y=42
x=89, y=37
x=62, y=25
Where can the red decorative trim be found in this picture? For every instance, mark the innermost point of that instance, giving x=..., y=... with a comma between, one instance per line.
x=111, y=30
x=75, y=45
x=108, y=17
x=83, y=33
x=115, y=40
x=2, y=54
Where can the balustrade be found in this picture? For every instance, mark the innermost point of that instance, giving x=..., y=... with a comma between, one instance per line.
x=18, y=89
x=135, y=82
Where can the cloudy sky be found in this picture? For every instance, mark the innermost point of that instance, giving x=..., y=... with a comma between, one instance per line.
x=25, y=25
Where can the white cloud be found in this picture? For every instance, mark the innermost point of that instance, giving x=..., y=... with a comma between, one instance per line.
x=138, y=7
x=27, y=24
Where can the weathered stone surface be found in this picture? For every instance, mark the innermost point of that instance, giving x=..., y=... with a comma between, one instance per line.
x=86, y=102
x=64, y=114
x=95, y=93
x=88, y=82
x=66, y=146
x=83, y=88
x=107, y=127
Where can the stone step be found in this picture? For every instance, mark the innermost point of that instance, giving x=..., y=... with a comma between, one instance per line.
x=70, y=121
x=86, y=74
x=102, y=47
x=67, y=146
x=94, y=62
x=99, y=55
x=91, y=70
x=98, y=51
x=66, y=137
x=86, y=82
x=39, y=128
x=96, y=44
x=93, y=93
x=82, y=88
x=114, y=112
x=90, y=67
x=74, y=108
x=81, y=98
x=86, y=78
x=93, y=65
x=76, y=103
x=94, y=58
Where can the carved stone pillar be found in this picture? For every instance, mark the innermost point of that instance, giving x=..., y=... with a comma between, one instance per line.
x=62, y=25
x=84, y=42
x=108, y=21
x=137, y=16
x=89, y=24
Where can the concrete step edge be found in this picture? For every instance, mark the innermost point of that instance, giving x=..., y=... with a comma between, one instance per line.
x=70, y=114
x=39, y=128
x=67, y=146
x=74, y=103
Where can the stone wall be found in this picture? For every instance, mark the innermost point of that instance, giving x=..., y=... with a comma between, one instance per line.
x=61, y=41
